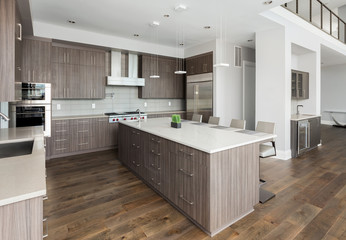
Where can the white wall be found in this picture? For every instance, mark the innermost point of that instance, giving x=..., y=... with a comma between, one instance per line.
x=273, y=94
x=333, y=92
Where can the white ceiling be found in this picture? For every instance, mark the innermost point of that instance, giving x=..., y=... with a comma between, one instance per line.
x=124, y=18
x=331, y=57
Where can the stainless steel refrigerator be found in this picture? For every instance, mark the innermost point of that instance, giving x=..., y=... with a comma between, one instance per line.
x=199, y=95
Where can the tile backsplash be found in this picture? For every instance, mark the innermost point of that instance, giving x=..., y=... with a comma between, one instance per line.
x=118, y=99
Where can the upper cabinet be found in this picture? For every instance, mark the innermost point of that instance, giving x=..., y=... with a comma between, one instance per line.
x=10, y=49
x=169, y=85
x=300, y=85
x=36, y=65
x=199, y=64
x=78, y=73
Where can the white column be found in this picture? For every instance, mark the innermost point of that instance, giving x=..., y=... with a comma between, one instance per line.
x=273, y=95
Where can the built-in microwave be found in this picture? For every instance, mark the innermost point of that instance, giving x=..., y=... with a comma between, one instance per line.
x=36, y=93
x=32, y=115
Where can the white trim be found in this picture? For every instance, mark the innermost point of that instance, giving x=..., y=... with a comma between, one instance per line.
x=283, y=155
x=326, y=122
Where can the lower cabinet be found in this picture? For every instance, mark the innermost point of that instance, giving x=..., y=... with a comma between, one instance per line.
x=72, y=136
x=23, y=220
x=305, y=135
x=177, y=172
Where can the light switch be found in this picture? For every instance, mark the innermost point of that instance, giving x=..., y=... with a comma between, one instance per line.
x=58, y=107
x=145, y=104
x=93, y=105
x=169, y=103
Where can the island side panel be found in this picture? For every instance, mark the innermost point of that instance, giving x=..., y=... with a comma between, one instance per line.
x=234, y=190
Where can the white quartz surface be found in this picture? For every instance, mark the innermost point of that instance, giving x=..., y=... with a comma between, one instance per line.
x=204, y=137
x=296, y=117
x=22, y=177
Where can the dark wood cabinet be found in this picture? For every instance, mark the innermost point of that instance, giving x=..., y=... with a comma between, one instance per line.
x=78, y=74
x=36, y=65
x=169, y=85
x=299, y=85
x=199, y=64
x=10, y=48
x=74, y=136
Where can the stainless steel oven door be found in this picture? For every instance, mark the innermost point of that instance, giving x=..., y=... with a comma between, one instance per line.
x=36, y=93
x=32, y=115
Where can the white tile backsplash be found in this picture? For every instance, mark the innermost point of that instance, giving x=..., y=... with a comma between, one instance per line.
x=124, y=99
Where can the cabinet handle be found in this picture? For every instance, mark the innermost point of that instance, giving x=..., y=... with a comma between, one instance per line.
x=60, y=149
x=33, y=75
x=152, y=179
x=190, y=154
x=157, y=168
x=64, y=57
x=94, y=93
x=68, y=58
x=20, y=38
x=46, y=221
x=61, y=131
x=184, y=199
x=60, y=140
x=83, y=131
x=157, y=141
x=28, y=75
x=186, y=173
x=45, y=198
x=157, y=154
x=81, y=144
x=134, y=132
x=137, y=165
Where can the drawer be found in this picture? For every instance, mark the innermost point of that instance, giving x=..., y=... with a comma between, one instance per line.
x=154, y=178
x=60, y=145
x=84, y=121
x=60, y=127
x=154, y=161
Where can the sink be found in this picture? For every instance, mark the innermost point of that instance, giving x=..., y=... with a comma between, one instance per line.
x=14, y=149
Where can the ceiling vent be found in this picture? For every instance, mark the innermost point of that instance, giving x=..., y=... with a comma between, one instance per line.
x=237, y=56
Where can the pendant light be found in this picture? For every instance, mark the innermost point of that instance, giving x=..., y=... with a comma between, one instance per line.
x=154, y=59
x=222, y=36
x=180, y=51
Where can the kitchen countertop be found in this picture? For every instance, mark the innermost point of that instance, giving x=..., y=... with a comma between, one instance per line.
x=22, y=177
x=296, y=117
x=204, y=137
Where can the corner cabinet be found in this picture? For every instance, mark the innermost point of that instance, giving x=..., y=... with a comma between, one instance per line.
x=10, y=48
x=300, y=85
x=199, y=64
x=169, y=85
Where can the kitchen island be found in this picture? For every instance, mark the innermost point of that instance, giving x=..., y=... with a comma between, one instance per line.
x=210, y=174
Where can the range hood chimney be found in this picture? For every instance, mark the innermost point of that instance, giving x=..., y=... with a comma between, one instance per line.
x=116, y=79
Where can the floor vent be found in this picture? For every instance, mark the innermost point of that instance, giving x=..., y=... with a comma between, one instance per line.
x=237, y=56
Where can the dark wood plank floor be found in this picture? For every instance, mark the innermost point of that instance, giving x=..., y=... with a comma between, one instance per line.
x=92, y=196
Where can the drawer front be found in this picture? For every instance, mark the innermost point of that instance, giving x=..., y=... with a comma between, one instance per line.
x=60, y=127
x=154, y=178
x=60, y=145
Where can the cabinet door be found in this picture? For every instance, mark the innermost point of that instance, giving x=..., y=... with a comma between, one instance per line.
x=58, y=80
x=100, y=128
x=315, y=131
x=294, y=84
x=112, y=134
x=99, y=82
x=72, y=83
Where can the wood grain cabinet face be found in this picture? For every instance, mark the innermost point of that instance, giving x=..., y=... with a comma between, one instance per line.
x=299, y=85
x=60, y=142
x=169, y=85
x=36, y=64
x=199, y=64
x=10, y=48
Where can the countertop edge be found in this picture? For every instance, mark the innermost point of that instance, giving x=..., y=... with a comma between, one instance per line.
x=22, y=197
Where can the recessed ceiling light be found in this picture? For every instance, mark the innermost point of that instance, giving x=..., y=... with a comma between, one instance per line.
x=180, y=8
x=155, y=24
x=71, y=21
x=181, y=44
x=166, y=15
x=268, y=2
x=250, y=40
x=207, y=27
x=136, y=35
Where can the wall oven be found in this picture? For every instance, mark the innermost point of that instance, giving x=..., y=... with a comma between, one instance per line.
x=36, y=93
x=32, y=115
x=34, y=109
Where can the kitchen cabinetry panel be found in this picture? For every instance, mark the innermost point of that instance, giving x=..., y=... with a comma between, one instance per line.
x=10, y=33
x=169, y=85
x=300, y=85
x=199, y=64
x=73, y=136
x=36, y=61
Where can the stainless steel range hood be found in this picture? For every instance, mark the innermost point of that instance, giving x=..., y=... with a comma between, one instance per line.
x=116, y=79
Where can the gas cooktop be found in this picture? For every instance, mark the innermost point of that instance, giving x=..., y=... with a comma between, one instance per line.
x=125, y=116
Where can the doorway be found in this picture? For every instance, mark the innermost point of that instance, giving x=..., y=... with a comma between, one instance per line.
x=249, y=94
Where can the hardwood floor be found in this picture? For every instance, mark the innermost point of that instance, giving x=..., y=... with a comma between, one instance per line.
x=92, y=196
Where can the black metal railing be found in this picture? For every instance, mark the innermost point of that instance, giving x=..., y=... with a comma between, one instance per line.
x=318, y=14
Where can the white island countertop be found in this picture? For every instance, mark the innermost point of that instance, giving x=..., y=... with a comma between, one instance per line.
x=22, y=177
x=205, y=137
x=299, y=117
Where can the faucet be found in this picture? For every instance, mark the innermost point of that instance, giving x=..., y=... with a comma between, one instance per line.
x=298, y=108
x=139, y=114
x=4, y=117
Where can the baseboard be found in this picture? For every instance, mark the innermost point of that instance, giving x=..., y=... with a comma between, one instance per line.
x=283, y=155
x=81, y=152
x=326, y=122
